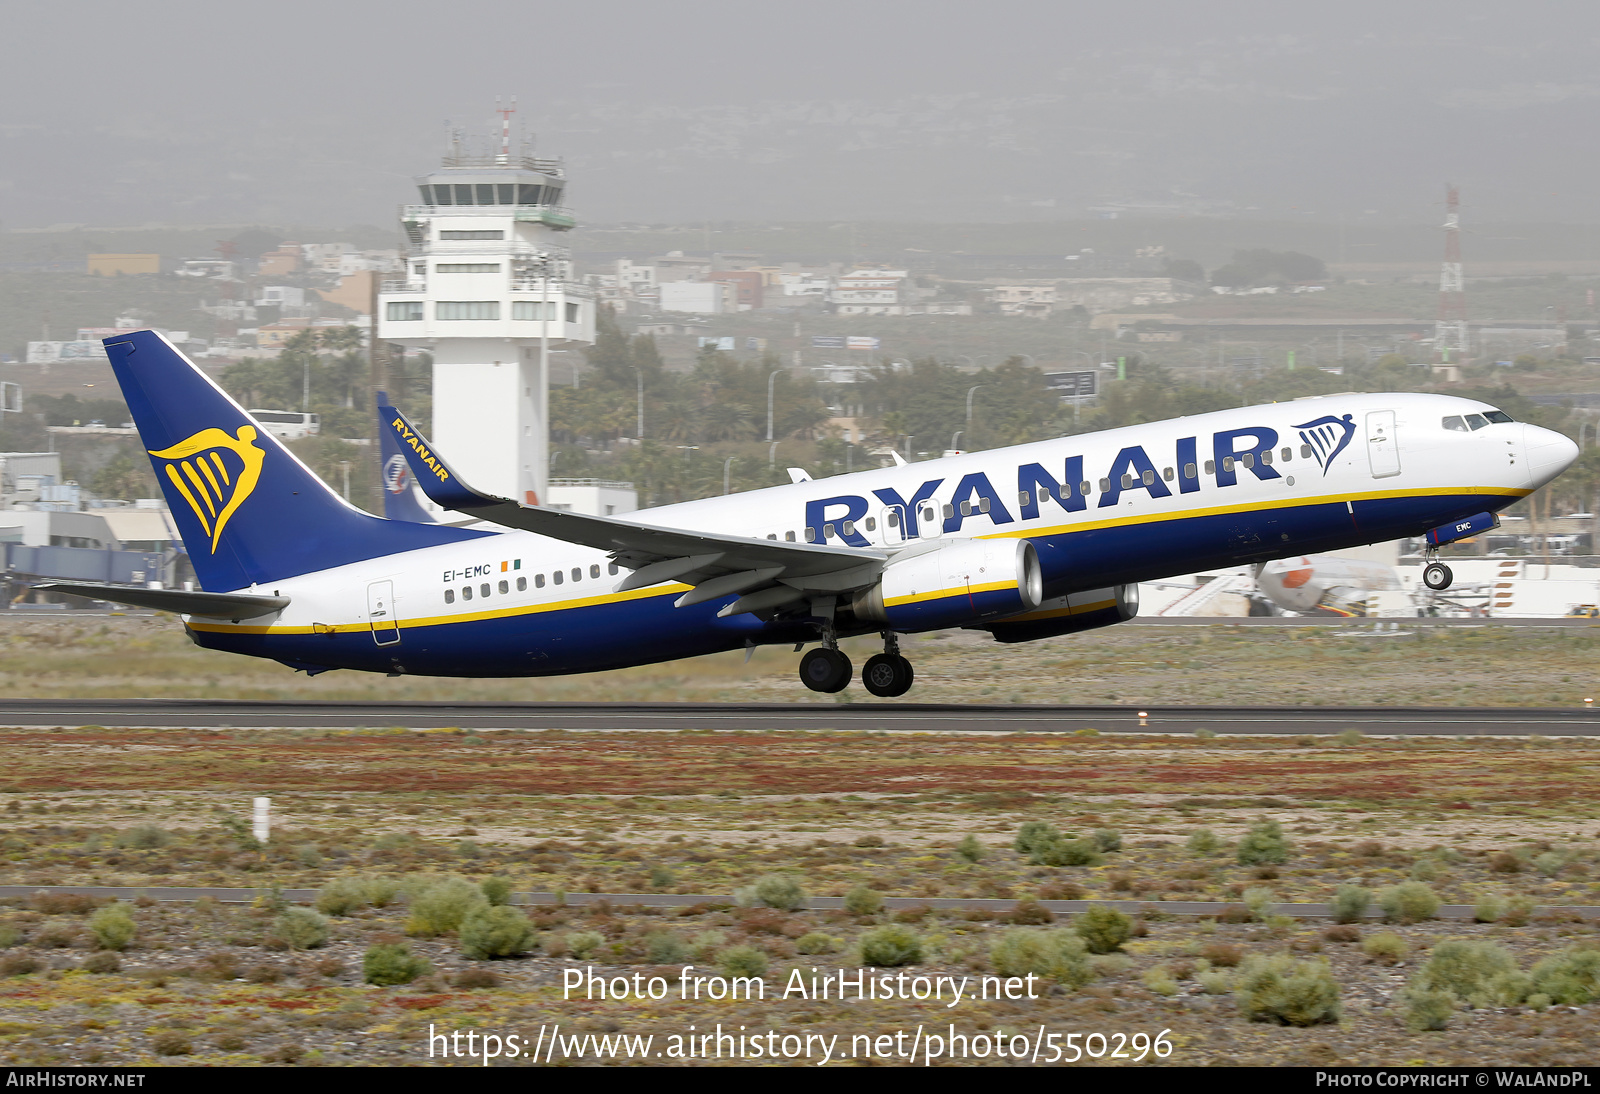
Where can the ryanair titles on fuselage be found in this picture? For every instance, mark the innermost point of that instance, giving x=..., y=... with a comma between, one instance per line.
x=1251, y=449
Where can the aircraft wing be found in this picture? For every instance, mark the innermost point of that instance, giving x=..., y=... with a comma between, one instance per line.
x=716, y=564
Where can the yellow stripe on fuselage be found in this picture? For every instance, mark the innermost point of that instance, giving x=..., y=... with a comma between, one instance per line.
x=941, y=594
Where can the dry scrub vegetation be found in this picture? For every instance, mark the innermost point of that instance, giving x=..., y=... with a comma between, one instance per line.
x=123, y=656
x=415, y=840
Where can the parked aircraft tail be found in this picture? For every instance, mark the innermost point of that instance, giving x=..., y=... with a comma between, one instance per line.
x=250, y=513
x=399, y=485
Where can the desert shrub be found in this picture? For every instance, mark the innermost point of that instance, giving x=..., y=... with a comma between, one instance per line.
x=442, y=906
x=18, y=964
x=113, y=927
x=496, y=890
x=495, y=930
x=1550, y=863
x=661, y=877
x=863, y=901
x=1408, y=902
x=815, y=942
x=970, y=849
x=1159, y=980
x=264, y=974
x=171, y=1043
x=1030, y=913
x=1103, y=929
x=583, y=943
x=1031, y=834
x=63, y=903
x=1292, y=993
x=9, y=936
x=1107, y=839
x=666, y=948
x=1264, y=843
x=1203, y=842
x=1488, y=909
x=302, y=928
x=103, y=962
x=1480, y=974
x=1056, y=955
x=475, y=978
x=1350, y=904
x=342, y=896
x=144, y=837
x=781, y=891
x=742, y=961
x=387, y=964
x=1504, y=862
x=1349, y=738
x=1385, y=947
x=381, y=891
x=1426, y=869
x=1518, y=909
x=1427, y=1010
x=1061, y=850
x=1222, y=954
x=1342, y=933
x=1259, y=900
x=1570, y=977
x=890, y=946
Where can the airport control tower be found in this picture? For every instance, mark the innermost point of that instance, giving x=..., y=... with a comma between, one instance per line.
x=489, y=292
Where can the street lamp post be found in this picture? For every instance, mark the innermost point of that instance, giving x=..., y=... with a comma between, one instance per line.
x=640, y=430
x=954, y=437
x=771, y=379
x=727, y=466
x=970, y=392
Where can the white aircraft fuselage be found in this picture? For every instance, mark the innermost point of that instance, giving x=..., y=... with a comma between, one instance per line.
x=1101, y=510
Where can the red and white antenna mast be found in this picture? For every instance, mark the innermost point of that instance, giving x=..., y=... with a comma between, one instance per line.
x=1450, y=332
x=505, y=113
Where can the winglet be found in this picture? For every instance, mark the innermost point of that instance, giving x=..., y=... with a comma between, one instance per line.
x=437, y=479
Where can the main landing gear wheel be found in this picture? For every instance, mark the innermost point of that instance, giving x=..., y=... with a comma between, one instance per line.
x=1436, y=576
x=887, y=675
x=825, y=670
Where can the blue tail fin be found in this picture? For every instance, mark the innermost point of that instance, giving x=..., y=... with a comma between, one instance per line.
x=399, y=485
x=250, y=513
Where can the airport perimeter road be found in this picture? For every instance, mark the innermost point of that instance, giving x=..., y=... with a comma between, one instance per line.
x=900, y=717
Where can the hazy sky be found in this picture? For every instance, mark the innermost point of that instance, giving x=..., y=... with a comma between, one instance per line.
x=320, y=113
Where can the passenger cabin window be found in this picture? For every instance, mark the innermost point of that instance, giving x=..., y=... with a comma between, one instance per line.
x=1127, y=481
x=522, y=584
x=1188, y=471
x=556, y=577
x=505, y=587
x=466, y=592
x=1105, y=484
x=538, y=581
x=1211, y=467
x=950, y=511
x=1083, y=487
x=1266, y=457
x=893, y=519
x=872, y=524
x=849, y=527
x=483, y=590
x=788, y=537
x=1248, y=459
x=1148, y=477
x=827, y=531
x=1166, y=473
x=811, y=535
x=1305, y=452
x=577, y=573
x=594, y=570
x=1286, y=454
x=1227, y=463
x=612, y=569
x=449, y=596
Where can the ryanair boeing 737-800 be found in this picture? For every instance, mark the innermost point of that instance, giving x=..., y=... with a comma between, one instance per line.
x=1028, y=542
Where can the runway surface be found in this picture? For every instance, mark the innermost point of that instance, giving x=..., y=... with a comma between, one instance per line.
x=889, y=716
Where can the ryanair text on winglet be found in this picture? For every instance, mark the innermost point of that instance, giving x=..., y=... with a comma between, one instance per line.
x=427, y=457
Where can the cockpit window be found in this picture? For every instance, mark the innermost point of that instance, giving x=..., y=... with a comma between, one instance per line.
x=1499, y=417
x=1455, y=423
x=1477, y=421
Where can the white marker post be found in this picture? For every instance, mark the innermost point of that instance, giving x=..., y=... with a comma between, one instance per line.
x=261, y=820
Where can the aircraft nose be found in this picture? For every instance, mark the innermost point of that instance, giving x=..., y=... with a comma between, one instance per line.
x=1549, y=453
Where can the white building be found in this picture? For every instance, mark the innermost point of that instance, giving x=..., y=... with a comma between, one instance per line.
x=489, y=291
x=697, y=297
x=869, y=292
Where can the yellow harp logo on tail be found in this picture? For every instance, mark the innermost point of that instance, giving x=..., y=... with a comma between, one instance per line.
x=215, y=473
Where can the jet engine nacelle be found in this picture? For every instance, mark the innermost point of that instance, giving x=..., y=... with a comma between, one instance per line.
x=1069, y=614
x=963, y=581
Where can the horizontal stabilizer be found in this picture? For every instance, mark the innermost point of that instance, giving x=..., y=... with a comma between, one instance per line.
x=234, y=606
